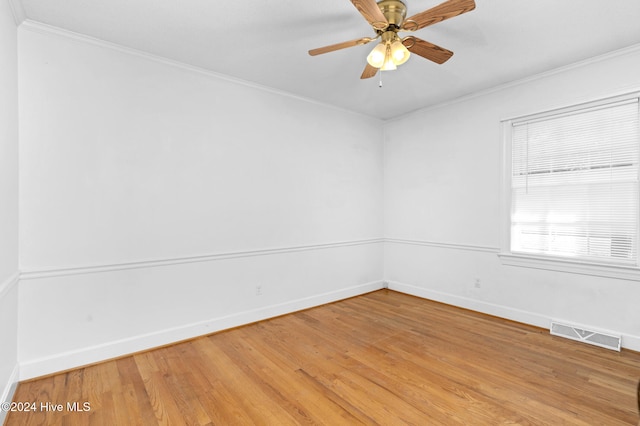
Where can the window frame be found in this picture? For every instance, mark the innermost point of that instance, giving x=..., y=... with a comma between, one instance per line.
x=551, y=262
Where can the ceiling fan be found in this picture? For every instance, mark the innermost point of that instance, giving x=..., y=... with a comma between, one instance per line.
x=387, y=17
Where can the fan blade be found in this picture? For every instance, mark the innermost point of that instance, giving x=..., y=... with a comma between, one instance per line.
x=439, y=13
x=369, y=71
x=338, y=46
x=427, y=50
x=372, y=13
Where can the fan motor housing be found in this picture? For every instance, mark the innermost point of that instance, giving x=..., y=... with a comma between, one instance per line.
x=394, y=10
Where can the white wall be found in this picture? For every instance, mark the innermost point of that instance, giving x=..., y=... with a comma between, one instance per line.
x=155, y=198
x=8, y=202
x=442, y=205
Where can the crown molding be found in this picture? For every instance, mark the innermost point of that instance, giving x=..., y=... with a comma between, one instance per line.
x=39, y=27
x=532, y=78
x=18, y=11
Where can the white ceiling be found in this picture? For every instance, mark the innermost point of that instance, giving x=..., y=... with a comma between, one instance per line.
x=266, y=42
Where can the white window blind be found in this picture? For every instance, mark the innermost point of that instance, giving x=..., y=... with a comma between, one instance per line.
x=574, y=183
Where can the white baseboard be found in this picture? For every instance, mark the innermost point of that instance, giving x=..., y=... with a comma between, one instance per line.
x=631, y=342
x=73, y=359
x=473, y=304
x=92, y=354
x=518, y=315
x=9, y=390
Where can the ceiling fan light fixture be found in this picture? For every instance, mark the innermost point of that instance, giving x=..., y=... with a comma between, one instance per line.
x=389, y=63
x=388, y=18
x=399, y=53
x=377, y=56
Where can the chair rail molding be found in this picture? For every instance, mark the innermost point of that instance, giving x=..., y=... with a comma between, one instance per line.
x=149, y=263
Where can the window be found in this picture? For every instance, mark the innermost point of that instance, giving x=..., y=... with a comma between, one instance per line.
x=572, y=184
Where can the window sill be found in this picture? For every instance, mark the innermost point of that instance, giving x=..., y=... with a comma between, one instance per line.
x=623, y=272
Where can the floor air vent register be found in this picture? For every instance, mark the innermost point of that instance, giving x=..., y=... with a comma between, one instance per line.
x=597, y=338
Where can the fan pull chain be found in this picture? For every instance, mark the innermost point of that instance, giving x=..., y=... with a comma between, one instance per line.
x=380, y=83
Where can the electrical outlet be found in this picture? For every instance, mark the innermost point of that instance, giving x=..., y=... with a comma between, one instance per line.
x=259, y=290
x=477, y=283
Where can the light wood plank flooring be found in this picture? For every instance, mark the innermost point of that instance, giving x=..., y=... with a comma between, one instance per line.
x=381, y=358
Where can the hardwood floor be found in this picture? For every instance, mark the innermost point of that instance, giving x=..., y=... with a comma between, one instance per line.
x=381, y=358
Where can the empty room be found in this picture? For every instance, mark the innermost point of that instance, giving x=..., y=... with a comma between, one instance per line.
x=321, y=212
